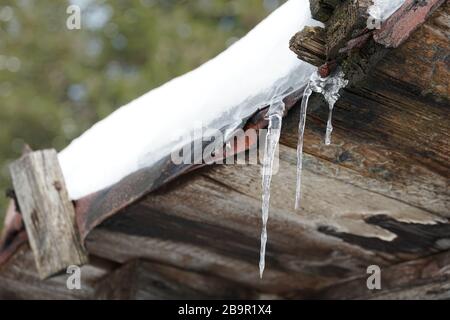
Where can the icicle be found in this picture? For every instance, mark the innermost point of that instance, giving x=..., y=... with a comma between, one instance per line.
x=329, y=87
x=301, y=131
x=275, y=114
x=329, y=125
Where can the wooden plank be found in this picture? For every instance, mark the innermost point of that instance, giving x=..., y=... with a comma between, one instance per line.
x=341, y=199
x=423, y=62
x=145, y=280
x=427, y=278
x=47, y=211
x=218, y=235
x=19, y=279
x=392, y=129
x=216, y=231
x=386, y=203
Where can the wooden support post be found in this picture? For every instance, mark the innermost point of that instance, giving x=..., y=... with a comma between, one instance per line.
x=47, y=211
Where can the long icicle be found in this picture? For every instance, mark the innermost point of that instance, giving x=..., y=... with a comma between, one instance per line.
x=276, y=112
x=329, y=125
x=301, y=132
x=329, y=87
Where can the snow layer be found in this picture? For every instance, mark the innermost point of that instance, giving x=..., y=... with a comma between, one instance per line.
x=218, y=94
x=383, y=9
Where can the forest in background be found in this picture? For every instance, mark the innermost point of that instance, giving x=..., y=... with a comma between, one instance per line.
x=55, y=83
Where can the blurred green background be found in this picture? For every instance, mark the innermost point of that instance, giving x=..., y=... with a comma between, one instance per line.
x=55, y=83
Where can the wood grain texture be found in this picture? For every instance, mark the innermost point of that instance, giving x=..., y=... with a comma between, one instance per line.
x=145, y=280
x=310, y=45
x=393, y=128
x=19, y=279
x=427, y=278
x=216, y=231
x=348, y=20
x=423, y=62
x=47, y=211
x=393, y=139
x=378, y=195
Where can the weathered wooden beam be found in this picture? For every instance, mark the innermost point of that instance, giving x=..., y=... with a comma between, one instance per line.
x=383, y=131
x=145, y=280
x=427, y=278
x=219, y=226
x=354, y=44
x=47, y=211
x=309, y=45
x=422, y=61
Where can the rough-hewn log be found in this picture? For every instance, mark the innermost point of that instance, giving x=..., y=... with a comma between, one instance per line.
x=309, y=45
x=144, y=280
x=427, y=278
x=47, y=211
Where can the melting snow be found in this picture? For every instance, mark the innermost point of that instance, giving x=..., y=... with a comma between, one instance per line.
x=218, y=94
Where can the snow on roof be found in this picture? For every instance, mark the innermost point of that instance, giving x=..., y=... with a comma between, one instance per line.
x=383, y=9
x=221, y=92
